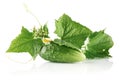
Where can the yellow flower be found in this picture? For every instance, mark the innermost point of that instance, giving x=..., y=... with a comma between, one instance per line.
x=46, y=40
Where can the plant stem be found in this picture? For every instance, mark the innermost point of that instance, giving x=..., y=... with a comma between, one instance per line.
x=29, y=11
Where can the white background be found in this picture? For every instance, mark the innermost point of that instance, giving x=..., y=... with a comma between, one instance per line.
x=95, y=14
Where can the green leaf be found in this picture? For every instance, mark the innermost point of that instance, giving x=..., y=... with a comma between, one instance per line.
x=62, y=42
x=71, y=32
x=99, y=45
x=41, y=32
x=25, y=42
x=45, y=31
x=56, y=53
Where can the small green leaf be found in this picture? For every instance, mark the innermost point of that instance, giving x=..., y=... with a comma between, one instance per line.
x=25, y=42
x=62, y=42
x=99, y=45
x=56, y=53
x=41, y=32
x=45, y=31
x=71, y=32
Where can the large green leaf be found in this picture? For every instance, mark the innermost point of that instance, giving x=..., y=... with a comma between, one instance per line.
x=56, y=53
x=71, y=32
x=25, y=42
x=99, y=44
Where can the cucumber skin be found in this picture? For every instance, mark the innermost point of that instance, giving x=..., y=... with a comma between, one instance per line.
x=62, y=54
